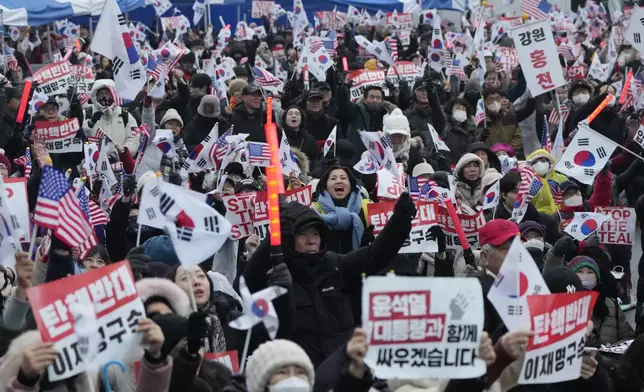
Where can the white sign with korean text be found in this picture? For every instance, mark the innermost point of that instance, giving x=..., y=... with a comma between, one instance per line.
x=423, y=327
x=420, y=238
x=60, y=136
x=559, y=321
x=110, y=290
x=16, y=189
x=363, y=78
x=538, y=57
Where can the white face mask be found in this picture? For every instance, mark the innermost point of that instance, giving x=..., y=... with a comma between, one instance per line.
x=581, y=99
x=460, y=116
x=495, y=107
x=534, y=243
x=291, y=384
x=588, y=281
x=541, y=168
x=573, y=201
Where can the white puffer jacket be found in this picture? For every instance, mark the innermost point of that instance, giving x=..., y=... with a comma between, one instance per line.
x=112, y=122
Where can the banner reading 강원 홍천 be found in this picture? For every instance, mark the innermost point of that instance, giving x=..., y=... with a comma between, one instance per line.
x=423, y=327
x=111, y=291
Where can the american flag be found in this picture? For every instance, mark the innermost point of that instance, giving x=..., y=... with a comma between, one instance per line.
x=527, y=175
x=221, y=147
x=264, y=78
x=393, y=46
x=92, y=212
x=565, y=50
x=57, y=208
x=96, y=138
x=315, y=45
x=554, y=116
x=528, y=187
x=556, y=191
x=536, y=9
x=258, y=152
x=480, y=111
x=419, y=187
x=10, y=58
x=25, y=161
x=456, y=68
x=546, y=144
x=144, y=129
x=90, y=241
x=154, y=67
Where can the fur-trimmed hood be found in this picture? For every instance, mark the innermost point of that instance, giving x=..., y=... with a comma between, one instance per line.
x=159, y=287
x=465, y=160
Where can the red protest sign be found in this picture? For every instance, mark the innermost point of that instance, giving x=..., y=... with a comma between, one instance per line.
x=420, y=239
x=54, y=78
x=302, y=195
x=111, y=292
x=559, y=323
x=239, y=212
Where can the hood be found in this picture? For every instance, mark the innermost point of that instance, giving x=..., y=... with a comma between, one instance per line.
x=465, y=160
x=490, y=177
x=294, y=216
x=541, y=153
x=302, y=160
x=491, y=156
x=166, y=289
x=98, y=85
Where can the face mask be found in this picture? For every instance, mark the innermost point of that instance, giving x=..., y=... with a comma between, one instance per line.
x=495, y=107
x=573, y=201
x=581, y=99
x=534, y=243
x=372, y=107
x=106, y=101
x=460, y=116
x=541, y=168
x=588, y=281
x=291, y=384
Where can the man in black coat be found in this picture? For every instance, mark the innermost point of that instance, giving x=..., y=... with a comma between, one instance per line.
x=318, y=123
x=322, y=280
x=249, y=116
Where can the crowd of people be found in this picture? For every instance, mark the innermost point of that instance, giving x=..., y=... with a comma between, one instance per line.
x=329, y=246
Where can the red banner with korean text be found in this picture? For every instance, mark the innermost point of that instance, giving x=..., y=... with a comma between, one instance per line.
x=303, y=195
x=54, y=79
x=59, y=136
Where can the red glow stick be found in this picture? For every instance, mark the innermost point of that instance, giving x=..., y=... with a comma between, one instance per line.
x=24, y=101
x=599, y=108
x=622, y=97
x=457, y=224
x=274, y=181
x=345, y=64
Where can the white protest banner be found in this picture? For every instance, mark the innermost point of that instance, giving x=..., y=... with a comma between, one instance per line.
x=538, y=57
x=620, y=226
x=303, y=195
x=639, y=134
x=507, y=58
x=633, y=33
x=59, y=136
x=262, y=8
x=401, y=21
x=471, y=225
x=559, y=324
x=10, y=230
x=278, y=52
x=423, y=327
x=420, y=239
x=363, y=78
x=584, y=224
x=586, y=155
x=83, y=78
x=239, y=212
x=407, y=71
x=518, y=278
x=54, y=78
x=390, y=186
x=111, y=291
x=16, y=189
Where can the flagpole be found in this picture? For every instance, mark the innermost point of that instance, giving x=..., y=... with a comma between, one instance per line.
x=32, y=242
x=245, y=352
x=138, y=236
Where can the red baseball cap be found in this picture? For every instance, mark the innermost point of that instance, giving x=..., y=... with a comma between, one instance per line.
x=496, y=232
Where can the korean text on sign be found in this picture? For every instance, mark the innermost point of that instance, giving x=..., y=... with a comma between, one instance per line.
x=420, y=238
x=470, y=223
x=538, y=57
x=303, y=195
x=55, y=78
x=423, y=328
x=559, y=322
x=60, y=136
x=363, y=78
x=111, y=292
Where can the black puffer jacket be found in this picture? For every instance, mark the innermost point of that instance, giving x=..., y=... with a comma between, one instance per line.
x=323, y=317
x=303, y=141
x=244, y=122
x=320, y=126
x=197, y=130
x=458, y=136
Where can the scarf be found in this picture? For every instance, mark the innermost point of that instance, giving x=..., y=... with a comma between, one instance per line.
x=342, y=218
x=215, y=342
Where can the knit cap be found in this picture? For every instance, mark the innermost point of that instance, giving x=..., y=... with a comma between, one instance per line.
x=171, y=114
x=396, y=122
x=271, y=356
x=579, y=262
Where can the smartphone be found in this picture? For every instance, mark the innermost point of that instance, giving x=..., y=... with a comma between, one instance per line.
x=590, y=351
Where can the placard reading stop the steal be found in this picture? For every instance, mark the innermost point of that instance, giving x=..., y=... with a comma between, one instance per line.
x=620, y=228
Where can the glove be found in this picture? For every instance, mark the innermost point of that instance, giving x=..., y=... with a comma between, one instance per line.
x=563, y=246
x=367, y=236
x=405, y=206
x=95, y=118
x=280, y=276
x=437, y=234
x=197, y=329
x=129, y=185
x=468, y=255
x=486, y=133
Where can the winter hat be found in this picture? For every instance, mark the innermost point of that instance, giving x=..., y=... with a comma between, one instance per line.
x=422, y=168
x=496, y=147
x=160, y=248
x=209, y=107
x=236, y=85
x=149, y=288
x=465, y=160
x=145, y=177
x=568, y=185
x=171, y=114
x=562, y=280
x=579, y=262
x=201, y=80
x=490, y=177
x=371, y=65
x=527, y=226
x=4, y=160
x=396, y=122
x=271, y=356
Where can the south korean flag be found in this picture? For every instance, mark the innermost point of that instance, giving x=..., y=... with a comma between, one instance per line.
x=586, y=155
